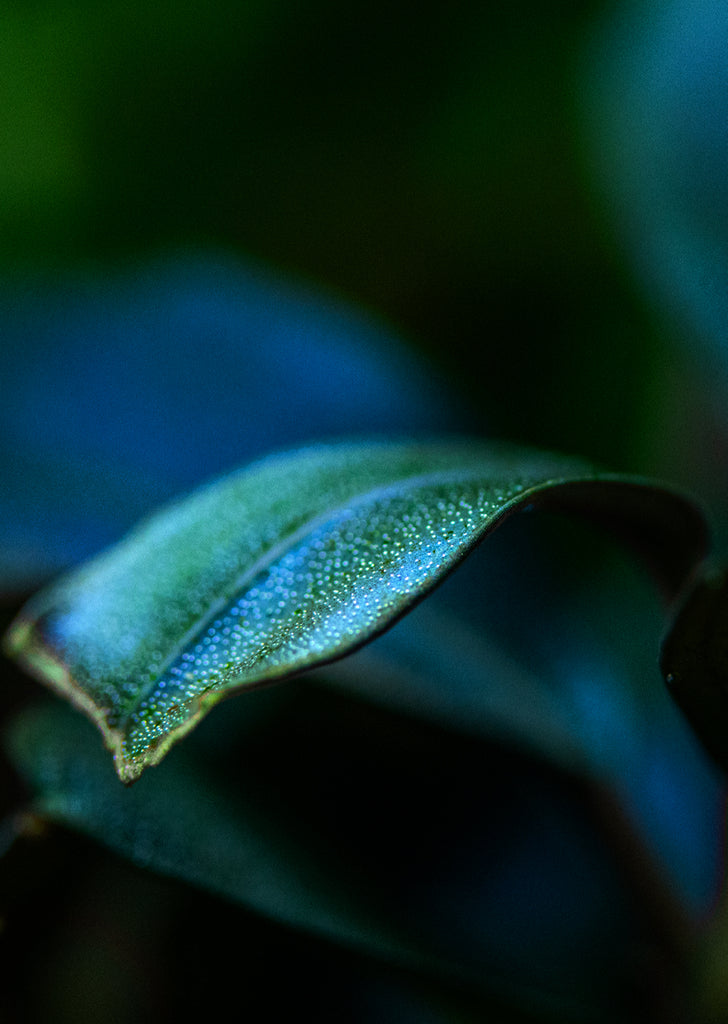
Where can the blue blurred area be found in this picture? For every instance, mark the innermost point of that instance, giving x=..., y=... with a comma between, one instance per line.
x=656, y=766
x=122, y=390
x=658, y=121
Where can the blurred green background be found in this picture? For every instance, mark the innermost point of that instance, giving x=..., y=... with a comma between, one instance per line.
x=426, y=162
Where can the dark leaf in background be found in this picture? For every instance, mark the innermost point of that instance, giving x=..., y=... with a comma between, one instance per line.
x=413, y=846
x=121, y=390
x=694, y=662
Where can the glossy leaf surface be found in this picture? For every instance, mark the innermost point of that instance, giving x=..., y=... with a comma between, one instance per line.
x=296, y=561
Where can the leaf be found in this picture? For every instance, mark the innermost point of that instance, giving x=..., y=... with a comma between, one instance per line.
x=453, y=891
x=182, y=823
x=296, y=561
x=694, y=662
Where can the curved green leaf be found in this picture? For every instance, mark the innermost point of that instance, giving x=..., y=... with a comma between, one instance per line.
x=296, y=561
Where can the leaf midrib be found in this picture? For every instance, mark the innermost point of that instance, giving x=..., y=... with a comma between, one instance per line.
x=269, y=556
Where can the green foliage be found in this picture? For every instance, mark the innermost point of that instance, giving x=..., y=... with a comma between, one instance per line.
x=493, y=811
x=291, y=563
